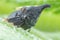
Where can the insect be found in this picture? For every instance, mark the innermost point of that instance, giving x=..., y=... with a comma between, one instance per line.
x=26, y=17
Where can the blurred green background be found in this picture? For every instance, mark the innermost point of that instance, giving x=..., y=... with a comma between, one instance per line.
x=49, y=20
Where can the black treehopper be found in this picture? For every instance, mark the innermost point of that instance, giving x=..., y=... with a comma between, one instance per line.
x=26, y=17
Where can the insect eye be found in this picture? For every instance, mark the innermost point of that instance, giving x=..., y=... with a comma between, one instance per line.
x=24, y=16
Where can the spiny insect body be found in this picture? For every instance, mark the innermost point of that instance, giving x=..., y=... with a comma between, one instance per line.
x=26, y=17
